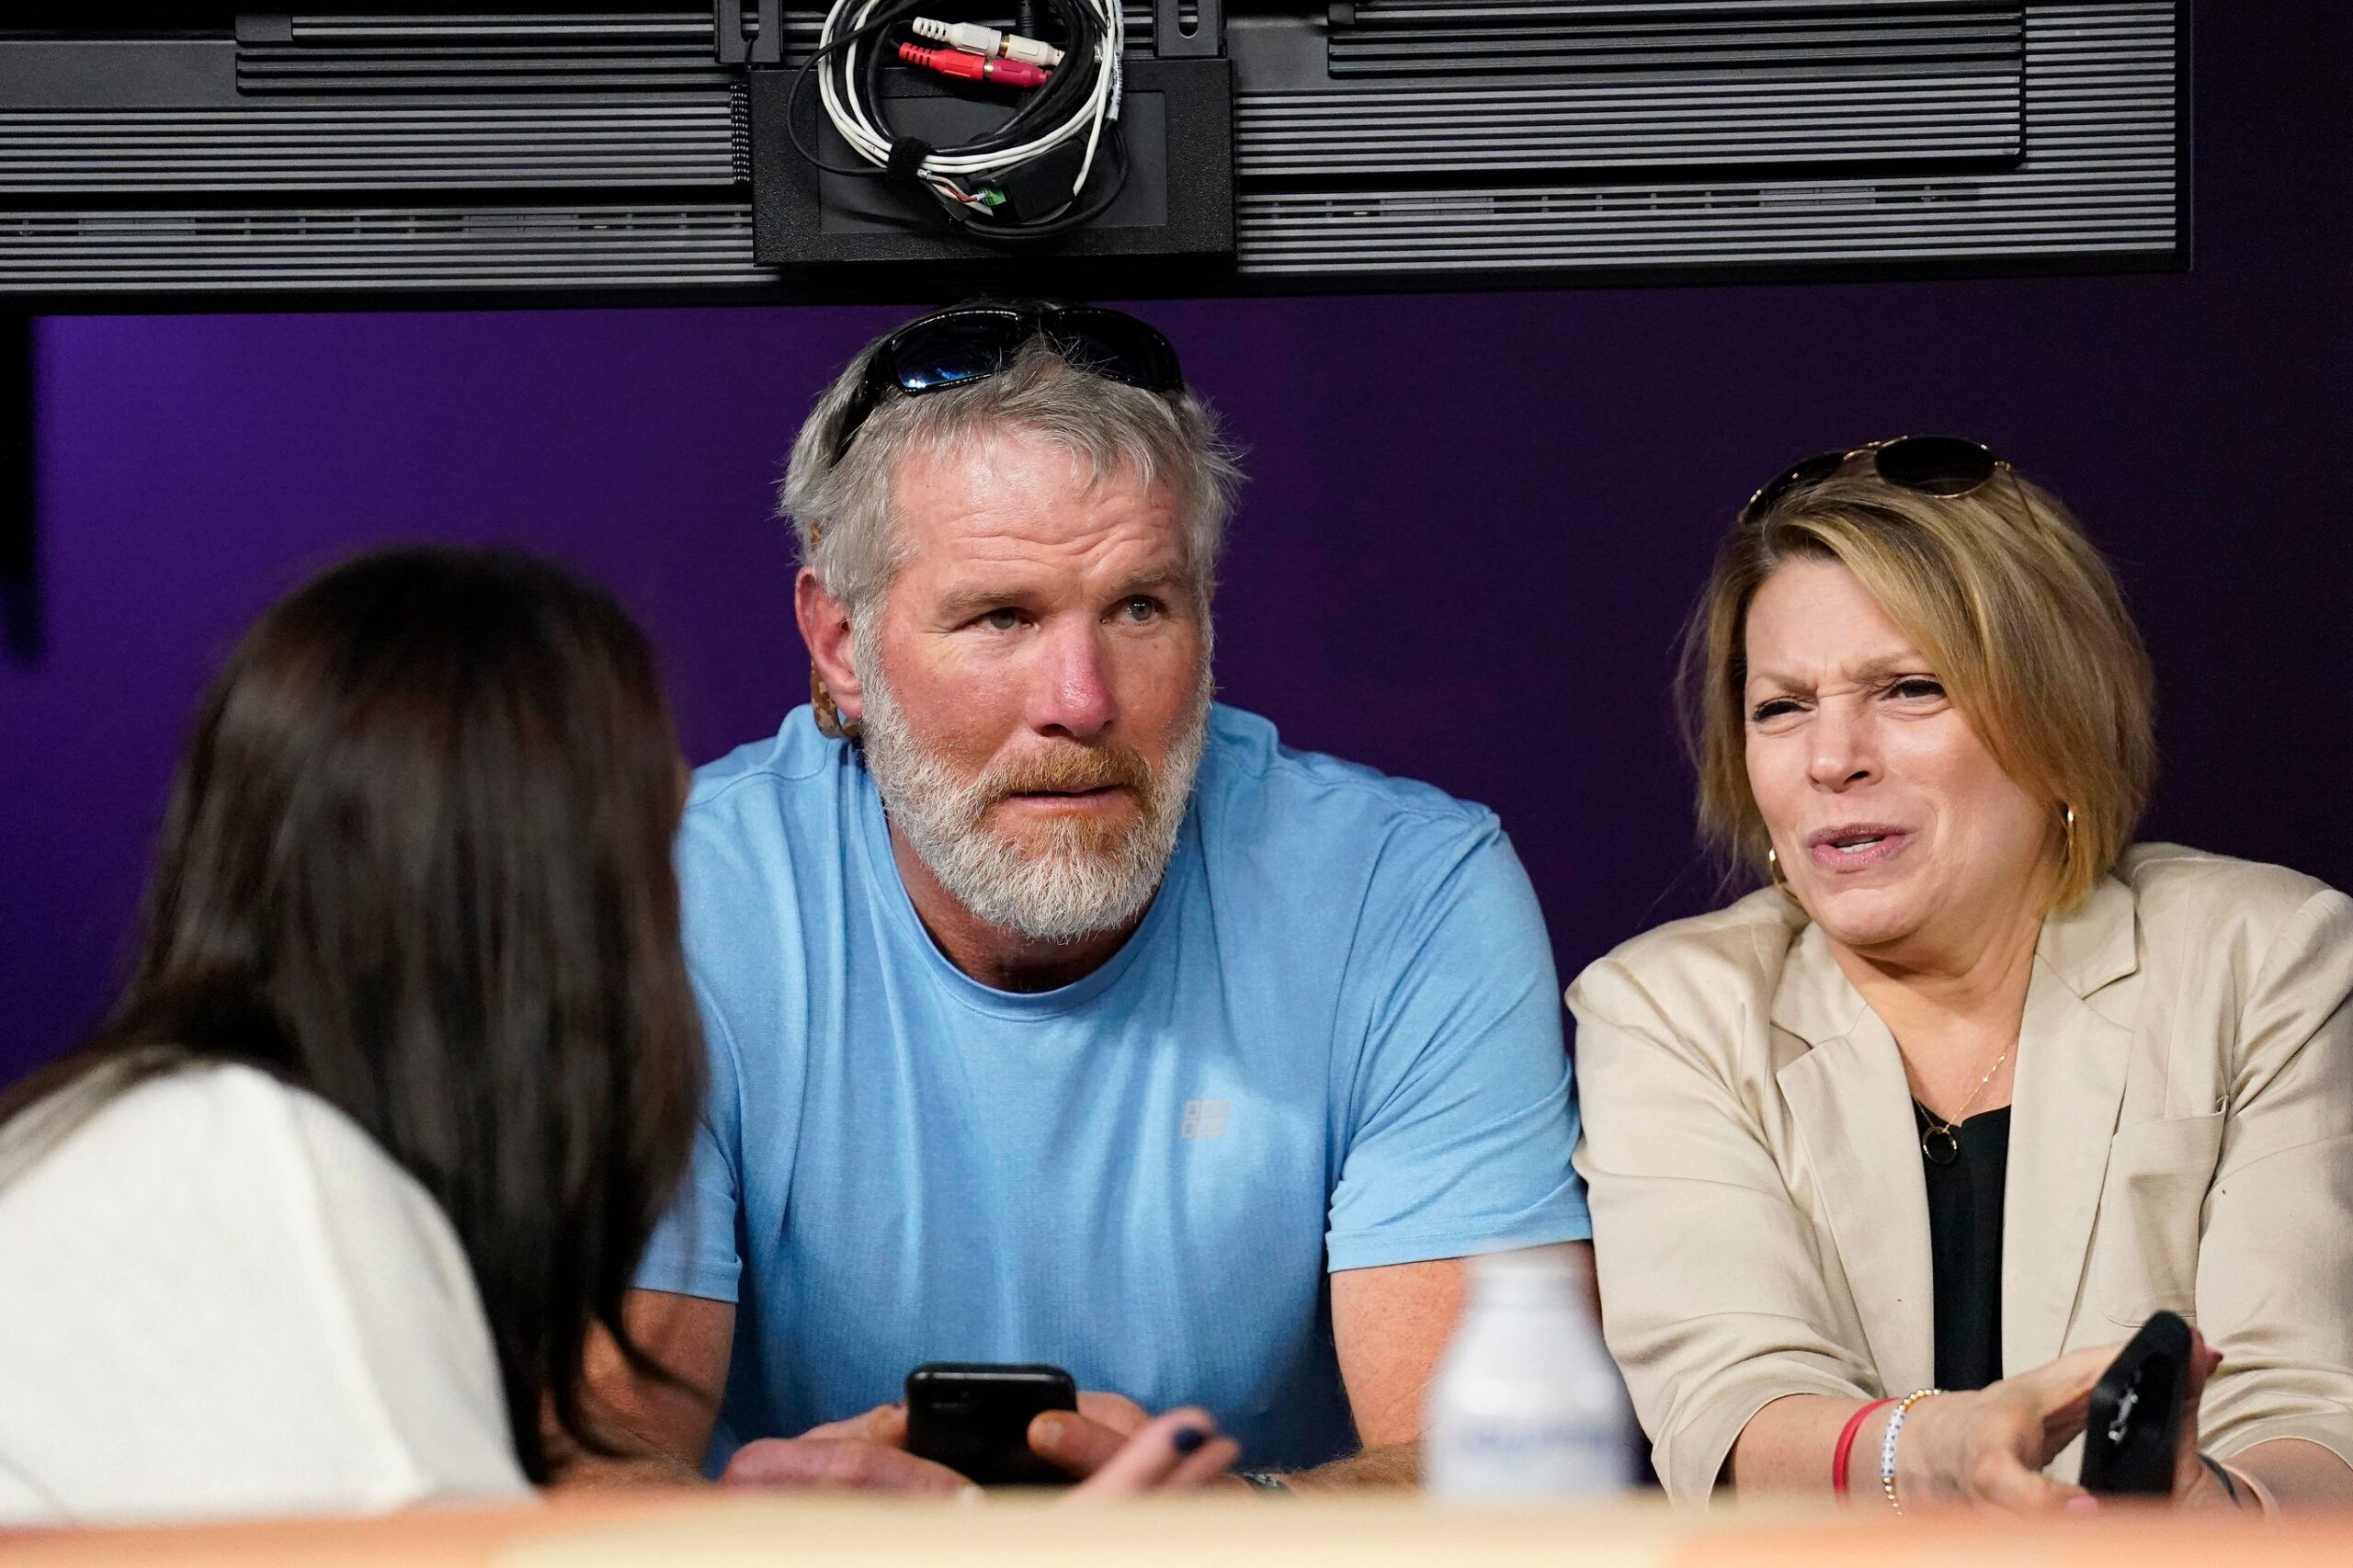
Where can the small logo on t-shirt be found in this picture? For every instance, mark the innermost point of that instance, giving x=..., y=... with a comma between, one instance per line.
x=1204, y=1118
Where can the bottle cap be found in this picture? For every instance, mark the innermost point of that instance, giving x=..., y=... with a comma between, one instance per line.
x=1530, y=1276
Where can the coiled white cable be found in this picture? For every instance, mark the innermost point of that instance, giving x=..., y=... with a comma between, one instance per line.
x=949, y=174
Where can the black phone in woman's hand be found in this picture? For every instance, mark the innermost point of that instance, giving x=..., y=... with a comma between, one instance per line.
x=2136, y=1411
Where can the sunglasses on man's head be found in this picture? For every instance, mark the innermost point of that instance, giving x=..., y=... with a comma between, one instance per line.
x=965, y=344
x=1950, y=466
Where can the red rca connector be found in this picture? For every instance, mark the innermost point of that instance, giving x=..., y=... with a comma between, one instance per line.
x=972, y=68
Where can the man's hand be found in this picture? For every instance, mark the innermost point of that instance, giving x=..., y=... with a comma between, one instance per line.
x=865, y=1453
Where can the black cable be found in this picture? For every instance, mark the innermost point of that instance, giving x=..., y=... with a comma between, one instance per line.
x=792, y=105
x=1050, y=227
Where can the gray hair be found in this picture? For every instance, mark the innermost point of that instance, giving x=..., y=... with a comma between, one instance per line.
x=842, y=512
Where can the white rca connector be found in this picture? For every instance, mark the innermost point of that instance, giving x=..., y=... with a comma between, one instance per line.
x=974, y=38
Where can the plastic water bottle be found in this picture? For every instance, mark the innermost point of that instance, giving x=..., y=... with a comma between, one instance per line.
x=1527, y=1405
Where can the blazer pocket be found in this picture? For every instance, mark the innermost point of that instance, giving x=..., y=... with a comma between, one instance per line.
x=2152, y=1208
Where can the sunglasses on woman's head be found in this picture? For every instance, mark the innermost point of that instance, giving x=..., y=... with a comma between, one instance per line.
x=965, y=344
x=1929, y=465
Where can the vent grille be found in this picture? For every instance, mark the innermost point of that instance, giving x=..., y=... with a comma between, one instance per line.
x=615, y=142
x=579, y=248
x=1539, y=85
x=1587, y=126
x=536, y=52
x=1419, y=37
x=2098, y=178
x=545, y=52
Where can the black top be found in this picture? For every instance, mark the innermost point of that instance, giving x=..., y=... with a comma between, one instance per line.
x=1965, y=1240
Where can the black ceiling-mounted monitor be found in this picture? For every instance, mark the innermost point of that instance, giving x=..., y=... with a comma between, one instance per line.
x=205, y=157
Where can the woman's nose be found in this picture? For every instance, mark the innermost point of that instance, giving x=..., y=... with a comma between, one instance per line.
x=1844, y=753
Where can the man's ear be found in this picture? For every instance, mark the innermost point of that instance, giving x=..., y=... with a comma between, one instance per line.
x=824, y=629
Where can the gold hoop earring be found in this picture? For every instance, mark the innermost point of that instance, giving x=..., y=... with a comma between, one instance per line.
x=2066, y=835
x=1773, y=870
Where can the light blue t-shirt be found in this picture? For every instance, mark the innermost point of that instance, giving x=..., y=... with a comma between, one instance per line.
x=1334, y=1043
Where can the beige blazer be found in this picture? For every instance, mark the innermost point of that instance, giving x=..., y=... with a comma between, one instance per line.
x=2181, y=1136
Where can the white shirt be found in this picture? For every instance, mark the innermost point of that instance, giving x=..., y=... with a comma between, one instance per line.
x=219, y=1297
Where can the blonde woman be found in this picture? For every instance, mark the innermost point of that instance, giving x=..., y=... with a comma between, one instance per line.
x=1889, y=1156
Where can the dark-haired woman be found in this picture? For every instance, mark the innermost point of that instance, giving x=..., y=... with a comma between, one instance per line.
x=326, y=1214
x=322, y=1218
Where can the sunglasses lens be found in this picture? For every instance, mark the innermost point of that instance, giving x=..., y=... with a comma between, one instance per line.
x=1936, y=465
x=962, y=347
x=1116, y=346
x=1811, y=471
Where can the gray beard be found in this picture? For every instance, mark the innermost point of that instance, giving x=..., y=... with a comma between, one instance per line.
x=1061, y=885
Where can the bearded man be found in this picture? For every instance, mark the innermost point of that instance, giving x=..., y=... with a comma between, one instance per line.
x=1056, y=1013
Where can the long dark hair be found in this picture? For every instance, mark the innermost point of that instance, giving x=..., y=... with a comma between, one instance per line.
x=417, y=863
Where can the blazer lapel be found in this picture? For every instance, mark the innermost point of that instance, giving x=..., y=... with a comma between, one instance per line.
x=2068, y=1089
x=1853, y=1108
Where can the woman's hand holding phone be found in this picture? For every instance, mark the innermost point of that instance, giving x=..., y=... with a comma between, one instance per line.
x=1116, y=1450
x=1987, y=1448
x=2195, y=1485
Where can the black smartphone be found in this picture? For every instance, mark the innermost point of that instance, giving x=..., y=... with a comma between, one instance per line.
x=2136, y=1411
x=974, y=1417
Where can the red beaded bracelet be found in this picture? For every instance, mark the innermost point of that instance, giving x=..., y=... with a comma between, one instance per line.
x=1846, y=1449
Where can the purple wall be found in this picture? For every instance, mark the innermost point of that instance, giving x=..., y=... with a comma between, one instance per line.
x=1472, y=527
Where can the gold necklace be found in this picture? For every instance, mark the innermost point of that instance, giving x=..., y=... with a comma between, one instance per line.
x=1939, y=1141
